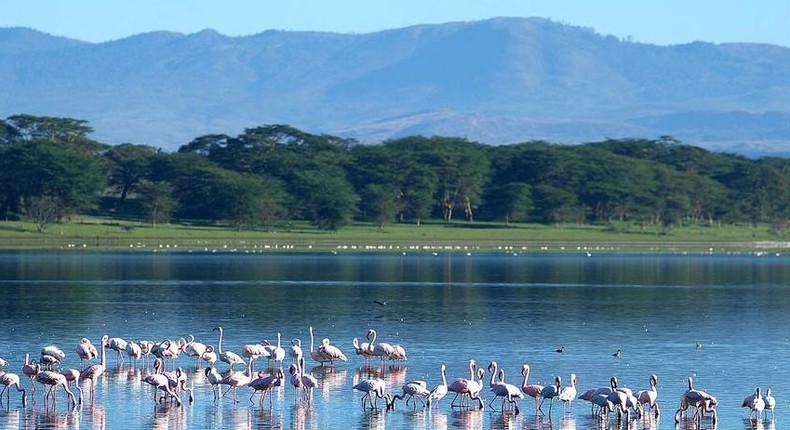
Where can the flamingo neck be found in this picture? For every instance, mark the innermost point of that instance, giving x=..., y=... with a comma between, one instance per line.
x=444, y=376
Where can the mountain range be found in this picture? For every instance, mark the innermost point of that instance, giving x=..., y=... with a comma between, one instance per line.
x=497, y=81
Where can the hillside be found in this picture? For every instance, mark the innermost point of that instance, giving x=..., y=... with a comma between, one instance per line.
x=496, y=81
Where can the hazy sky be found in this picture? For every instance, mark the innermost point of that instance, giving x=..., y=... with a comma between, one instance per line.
x=662, y=22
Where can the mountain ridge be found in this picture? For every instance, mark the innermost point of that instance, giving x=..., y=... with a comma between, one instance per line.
x=502, y=80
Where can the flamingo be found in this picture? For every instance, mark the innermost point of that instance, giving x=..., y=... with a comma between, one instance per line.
x=277, y=353
x=568, y=394
x=469, y=387
x=383, y=349
x=146, y=346
x=214, y=379
x=461, y=385
x=86, y=351
x=362, y=349
x=296, y=349
x=316, y=355
x=619, y=397
x=73, y=375
x=411, y=390
x=119, y=346
x=649, y=397
x=550, y=392
x=700, y=400
x=770, y=402
x=228, y=357
x=255, y=351
x=398, y=353
x=375, y=386
x=296, y=378
x=605, y=405
x=440, y=390
x=134, y=351
x=31, y=369
x=93, y=372
x=3, y=362
x=8, y=380
x=265, y=384
x=195, y=349
x=209, y=356
x=532, y=390
x=308, y=381
x=161, y=382
x=237, y=379
x=331, y=352
x=755, y=403
x=53, y=379
x=502, y=389
x=51, y=355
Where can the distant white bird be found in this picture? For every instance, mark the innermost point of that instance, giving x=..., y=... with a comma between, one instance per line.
x=373, y=389
x=770, y=401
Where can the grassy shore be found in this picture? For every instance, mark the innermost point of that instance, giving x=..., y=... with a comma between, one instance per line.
x=98, y=233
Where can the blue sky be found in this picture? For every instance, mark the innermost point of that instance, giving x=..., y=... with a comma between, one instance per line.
x=662, y=22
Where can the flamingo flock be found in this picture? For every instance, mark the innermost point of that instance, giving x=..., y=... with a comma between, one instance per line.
x=173, y=387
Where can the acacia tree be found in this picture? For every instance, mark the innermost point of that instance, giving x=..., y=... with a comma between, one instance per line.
x=129, y=165
x=156, y=198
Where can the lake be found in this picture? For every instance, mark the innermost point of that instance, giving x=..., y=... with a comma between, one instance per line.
x=722, y=319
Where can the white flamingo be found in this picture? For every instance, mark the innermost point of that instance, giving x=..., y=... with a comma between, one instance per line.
x=500, y=388
x=195, y=349
x=227, y=356
x=755, y=403
x=568, y=394
x=314, y=354
x=214, y=379
x=550, y=392
x=119, y=346
x=236, y=380
x=382, y=349
x=410, y=391
x=373, y=389
x=86, y=351
x=440, y=390
x=331, y=352
x=770, y=402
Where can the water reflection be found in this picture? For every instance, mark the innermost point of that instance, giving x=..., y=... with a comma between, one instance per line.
x=467, y=418
x=373, y=419
x=303, y=417
x=759, y=424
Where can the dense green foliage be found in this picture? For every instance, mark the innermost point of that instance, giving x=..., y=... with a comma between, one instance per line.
x=49, y=169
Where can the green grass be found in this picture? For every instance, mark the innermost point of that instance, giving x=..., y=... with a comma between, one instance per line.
x=99, y=233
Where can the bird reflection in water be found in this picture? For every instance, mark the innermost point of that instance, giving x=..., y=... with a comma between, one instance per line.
x=267, y=419
x=50, y=419
x=9, y=419
x=759, y=424
x=169, y=419
x=438, y=419
x=98, y=416
x=374, y=419
x=568, y=423
x=330, y=380
x=504, y=420
x=393, y=375
x=467, y=418
x=303, y=417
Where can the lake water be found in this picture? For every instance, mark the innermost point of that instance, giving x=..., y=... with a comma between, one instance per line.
x=444, y=309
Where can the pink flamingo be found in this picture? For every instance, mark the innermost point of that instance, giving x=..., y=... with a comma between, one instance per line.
x=383, y=349
x=11, y=380
x=331, y=352
x=440, y=390
x=532, y=390
x=161, y=382
x=649, y=397
x=362, y=349
x=461, y=385
x=469, y=387
x=119, y=346
x=265, y=384
x=31, y=369
x=237, y=379
x=308, y=380
x=398, y=353
x=73, y=375
x=700, y=400
x=195, y=349
x=316, y=355
x=51, y=355
x=86, y=351
x=296, y=349
x=54, y=379
x=93, y=372
x=134, y=351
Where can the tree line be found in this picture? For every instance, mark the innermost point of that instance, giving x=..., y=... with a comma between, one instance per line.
x=50, y=168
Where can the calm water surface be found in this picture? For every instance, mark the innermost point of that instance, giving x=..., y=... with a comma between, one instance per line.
x=444, y=309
